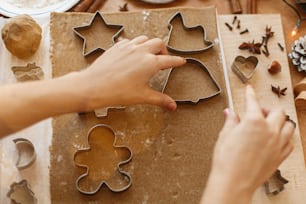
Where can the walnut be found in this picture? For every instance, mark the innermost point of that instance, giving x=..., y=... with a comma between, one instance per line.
x=22, y=36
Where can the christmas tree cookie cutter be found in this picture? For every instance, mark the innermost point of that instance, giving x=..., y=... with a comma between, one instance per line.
x=103, y=181
x=178, y=15
x=97, y=17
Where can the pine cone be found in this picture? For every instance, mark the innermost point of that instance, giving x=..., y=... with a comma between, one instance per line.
x=298, y=54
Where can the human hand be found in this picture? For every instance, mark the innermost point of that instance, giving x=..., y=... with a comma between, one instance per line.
x=249, y=151
x=121, y=75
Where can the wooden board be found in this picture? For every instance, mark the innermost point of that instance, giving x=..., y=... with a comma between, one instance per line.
x=294, y=167
x=172, y=150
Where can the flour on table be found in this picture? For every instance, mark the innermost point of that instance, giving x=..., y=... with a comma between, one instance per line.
x=30, y=4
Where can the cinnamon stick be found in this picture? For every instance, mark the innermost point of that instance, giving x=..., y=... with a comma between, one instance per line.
x=83, y=6
x=95, y=6
x=235, y=6
x=251, y=6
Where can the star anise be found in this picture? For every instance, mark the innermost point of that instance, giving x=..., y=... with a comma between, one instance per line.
x=251, y=46
x=124, y=7
x=269, y=33
x=278, y=91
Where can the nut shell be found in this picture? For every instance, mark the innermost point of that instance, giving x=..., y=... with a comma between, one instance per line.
x=275, y=67
x=22, y=36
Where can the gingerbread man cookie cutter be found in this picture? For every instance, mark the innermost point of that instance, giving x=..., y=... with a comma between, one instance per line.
x=103, y=182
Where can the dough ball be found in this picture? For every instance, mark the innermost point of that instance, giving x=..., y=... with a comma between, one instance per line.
x=21, y=36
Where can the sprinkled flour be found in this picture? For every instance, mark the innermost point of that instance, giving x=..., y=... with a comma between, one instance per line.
x=30, y=4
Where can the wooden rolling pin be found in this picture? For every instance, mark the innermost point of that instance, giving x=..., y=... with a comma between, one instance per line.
x=235, y=6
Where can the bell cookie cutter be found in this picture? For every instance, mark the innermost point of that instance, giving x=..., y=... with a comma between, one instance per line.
x=103, y=181
x=209, y=44
x=26, y=153
x=21, y=193
x=214, y=81
x=96, y=17
x=240, y=63
x=275, y=184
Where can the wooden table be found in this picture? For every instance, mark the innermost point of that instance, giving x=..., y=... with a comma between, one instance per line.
x=289, y=19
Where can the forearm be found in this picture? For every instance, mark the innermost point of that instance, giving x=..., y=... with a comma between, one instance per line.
x=23, y=104
x=221, y=190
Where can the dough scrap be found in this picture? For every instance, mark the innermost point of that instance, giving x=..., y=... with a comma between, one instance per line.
x=22, y=36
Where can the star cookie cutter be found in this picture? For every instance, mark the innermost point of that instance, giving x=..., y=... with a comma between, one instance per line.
x=77, y=30
x=103, y=182
x=209, y=44
x=244, y=68
x=21, y=193
x=26, y=153
x=275, y=184
x=204, y=68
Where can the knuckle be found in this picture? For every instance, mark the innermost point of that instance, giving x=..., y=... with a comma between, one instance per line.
x=254, y=120
x=158, y=41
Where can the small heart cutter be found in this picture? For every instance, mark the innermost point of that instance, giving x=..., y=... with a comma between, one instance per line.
x=209, y=44
x=103, y=182
x=96, y=16
x=240, y=63
x=201, y=65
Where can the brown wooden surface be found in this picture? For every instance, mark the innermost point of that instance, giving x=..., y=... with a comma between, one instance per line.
x=289, y=19
x=294, y=167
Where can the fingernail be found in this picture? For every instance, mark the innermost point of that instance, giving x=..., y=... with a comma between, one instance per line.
x=226, y=112
x=171, y=106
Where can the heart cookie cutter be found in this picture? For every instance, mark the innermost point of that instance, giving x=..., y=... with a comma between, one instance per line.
x=241, y=63
x=103, y=181
x=209, y=44
x=201, y=65
x=96, y=17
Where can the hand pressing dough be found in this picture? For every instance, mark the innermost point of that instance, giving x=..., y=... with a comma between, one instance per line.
x=22, y=36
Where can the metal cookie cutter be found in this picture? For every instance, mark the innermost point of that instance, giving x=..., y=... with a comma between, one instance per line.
x=26, y=153
x=275, y=184
x=97, y=18
x=103, y=181
x=244, y=68
x=208, y=43
x=21, y=193
x=202, y=66
x=103, y=112
x=29, y=72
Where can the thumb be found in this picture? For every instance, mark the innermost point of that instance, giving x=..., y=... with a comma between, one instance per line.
x=231, y=119
x=160, y=99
